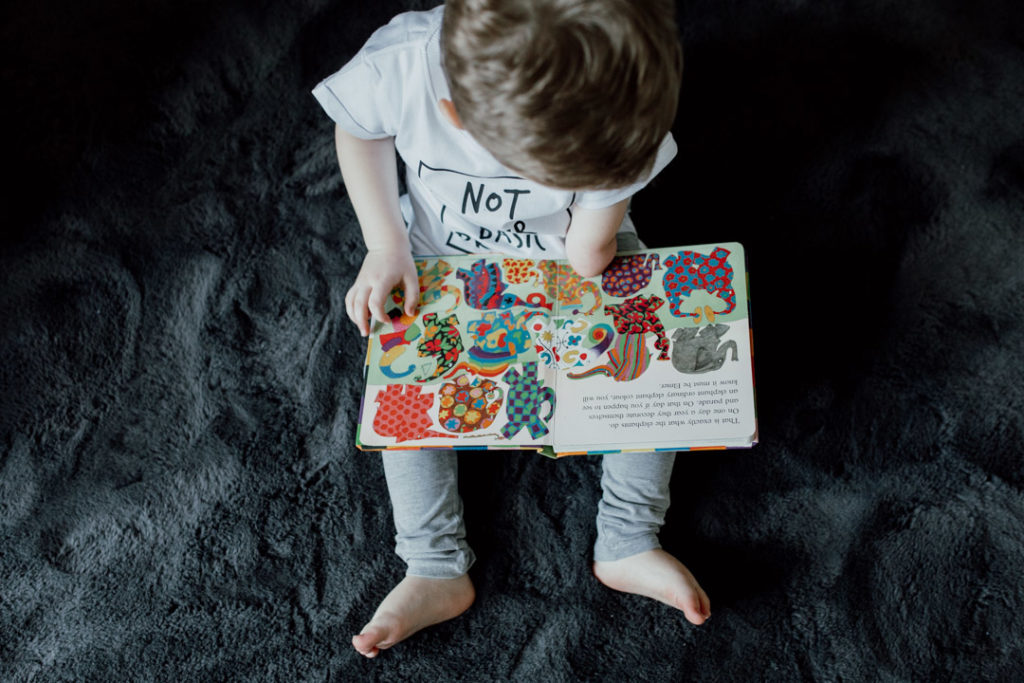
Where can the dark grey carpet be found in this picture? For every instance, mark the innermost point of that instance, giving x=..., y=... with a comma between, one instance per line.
x=180, y=498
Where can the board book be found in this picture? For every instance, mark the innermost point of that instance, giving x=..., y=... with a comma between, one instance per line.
x=513, y=353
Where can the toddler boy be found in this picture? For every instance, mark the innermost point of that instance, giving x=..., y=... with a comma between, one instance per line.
x=525, y=127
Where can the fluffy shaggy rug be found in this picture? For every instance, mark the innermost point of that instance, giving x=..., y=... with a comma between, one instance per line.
x=180, y=497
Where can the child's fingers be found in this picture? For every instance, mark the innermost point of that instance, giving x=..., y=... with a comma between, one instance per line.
x=412, y=292
x=355, y=306
x=376, y=304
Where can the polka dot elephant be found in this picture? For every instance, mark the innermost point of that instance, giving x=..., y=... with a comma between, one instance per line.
x=402, y=412
x=627, y=275
x=468, y=406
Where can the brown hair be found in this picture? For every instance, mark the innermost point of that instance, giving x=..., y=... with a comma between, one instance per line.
x=575, y=94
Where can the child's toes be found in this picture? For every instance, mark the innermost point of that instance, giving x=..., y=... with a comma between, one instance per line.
x=691, y=606
x=705, y=603
x=366, y=642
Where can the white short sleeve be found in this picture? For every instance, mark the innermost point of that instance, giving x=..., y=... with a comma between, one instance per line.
x=365, y=97
x=599, y=199
x=350, y=98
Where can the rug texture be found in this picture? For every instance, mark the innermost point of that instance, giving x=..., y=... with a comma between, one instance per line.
x=180, y=494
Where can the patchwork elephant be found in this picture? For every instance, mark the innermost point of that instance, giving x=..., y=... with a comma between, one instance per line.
x=690, y=271
x=695, y=352
x=402, y=413
x=485, y=290
x=627, y=275
x=469, y=406
x=526, y=395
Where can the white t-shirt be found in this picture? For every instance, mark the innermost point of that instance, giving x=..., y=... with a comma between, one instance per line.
x=461, y=199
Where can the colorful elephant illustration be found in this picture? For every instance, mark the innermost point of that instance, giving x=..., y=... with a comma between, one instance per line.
x=569, y=343
x=469, y=406
x=395, y=343
x=519, y=270
x=402, y=413
x=526, y=395
x=565, y=284
x=442, y=342
x=627, y=275
x=498, y=339
x=637, y=316
x=485, y=290
x=559, y=280
x=629, y=357
x=695, y=352
x=627, y=360
x=432, y=287
x=690, y=271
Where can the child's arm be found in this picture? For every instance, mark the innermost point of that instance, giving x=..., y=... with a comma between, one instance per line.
x=371, y=177
x=590, y=243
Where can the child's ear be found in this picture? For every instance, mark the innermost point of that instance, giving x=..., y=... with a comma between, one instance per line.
x=448, y=109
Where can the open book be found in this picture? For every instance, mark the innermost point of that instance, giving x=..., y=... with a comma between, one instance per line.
x=654, y=354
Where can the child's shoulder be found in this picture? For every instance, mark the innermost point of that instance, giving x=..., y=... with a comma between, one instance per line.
x=408, y=29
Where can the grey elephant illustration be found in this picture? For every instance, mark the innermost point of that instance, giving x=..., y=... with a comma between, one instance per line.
x=694, y=352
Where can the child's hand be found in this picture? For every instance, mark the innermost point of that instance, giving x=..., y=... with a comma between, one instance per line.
x=382, y=269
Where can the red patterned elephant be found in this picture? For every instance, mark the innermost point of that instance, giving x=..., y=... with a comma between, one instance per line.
x=690, y=271
x=402, y=412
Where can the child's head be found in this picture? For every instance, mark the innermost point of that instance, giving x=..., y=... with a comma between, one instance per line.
x=575, y=94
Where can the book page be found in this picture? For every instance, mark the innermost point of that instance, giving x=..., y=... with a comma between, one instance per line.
x=464, y=371
x=678, y=372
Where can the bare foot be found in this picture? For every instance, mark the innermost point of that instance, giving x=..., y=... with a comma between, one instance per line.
x=415, y=603
x=656, y=574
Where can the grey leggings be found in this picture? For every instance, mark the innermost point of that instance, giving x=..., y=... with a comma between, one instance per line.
x=431, y=536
